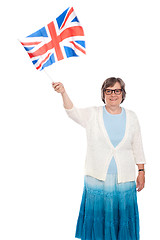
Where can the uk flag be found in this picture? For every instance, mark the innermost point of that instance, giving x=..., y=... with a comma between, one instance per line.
x=60, y=39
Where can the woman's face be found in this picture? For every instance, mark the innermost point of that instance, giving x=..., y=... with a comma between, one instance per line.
x=113, y=99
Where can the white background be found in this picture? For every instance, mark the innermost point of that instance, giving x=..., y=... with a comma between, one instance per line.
x=42, y=152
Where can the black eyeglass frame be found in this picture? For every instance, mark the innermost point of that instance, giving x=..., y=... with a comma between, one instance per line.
x=113, y=90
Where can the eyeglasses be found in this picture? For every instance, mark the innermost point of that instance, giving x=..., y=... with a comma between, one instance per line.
x=116, y=91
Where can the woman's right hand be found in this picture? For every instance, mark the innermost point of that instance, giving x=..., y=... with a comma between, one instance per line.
x=58, y=87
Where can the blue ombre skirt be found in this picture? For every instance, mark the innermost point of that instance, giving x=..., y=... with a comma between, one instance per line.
x=108, y=210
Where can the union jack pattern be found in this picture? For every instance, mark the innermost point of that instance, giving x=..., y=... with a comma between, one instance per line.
x=62, y=38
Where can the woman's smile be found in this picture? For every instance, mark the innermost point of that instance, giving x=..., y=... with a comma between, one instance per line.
x=113, y=99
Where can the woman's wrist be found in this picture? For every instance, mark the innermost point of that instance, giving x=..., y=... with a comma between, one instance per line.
x=141, y=171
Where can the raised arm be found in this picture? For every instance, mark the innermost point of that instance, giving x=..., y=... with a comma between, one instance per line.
x=58, y=87
x=79, y=115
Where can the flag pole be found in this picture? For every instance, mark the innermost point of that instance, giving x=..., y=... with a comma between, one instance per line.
x=48, y=75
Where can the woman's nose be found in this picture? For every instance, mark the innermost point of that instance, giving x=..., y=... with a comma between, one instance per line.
x=113, y=93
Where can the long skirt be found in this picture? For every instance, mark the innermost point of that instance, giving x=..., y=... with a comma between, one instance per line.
x=108, y=211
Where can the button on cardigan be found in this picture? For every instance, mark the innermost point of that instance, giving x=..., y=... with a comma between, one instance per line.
x=100, y=150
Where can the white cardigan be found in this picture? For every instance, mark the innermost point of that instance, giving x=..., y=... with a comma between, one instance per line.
x=100, y=150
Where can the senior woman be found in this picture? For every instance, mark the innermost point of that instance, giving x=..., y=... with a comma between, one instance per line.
x=109, y=209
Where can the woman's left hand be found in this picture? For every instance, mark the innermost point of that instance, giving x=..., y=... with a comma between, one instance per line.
x=140, y=181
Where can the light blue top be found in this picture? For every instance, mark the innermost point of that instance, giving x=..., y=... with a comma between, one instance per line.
x=115, y=125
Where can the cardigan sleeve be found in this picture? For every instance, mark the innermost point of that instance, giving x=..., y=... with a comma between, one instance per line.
x=137, y=144
x=80, y=115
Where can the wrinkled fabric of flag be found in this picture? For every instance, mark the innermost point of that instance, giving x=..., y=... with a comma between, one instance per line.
x=60, y=39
